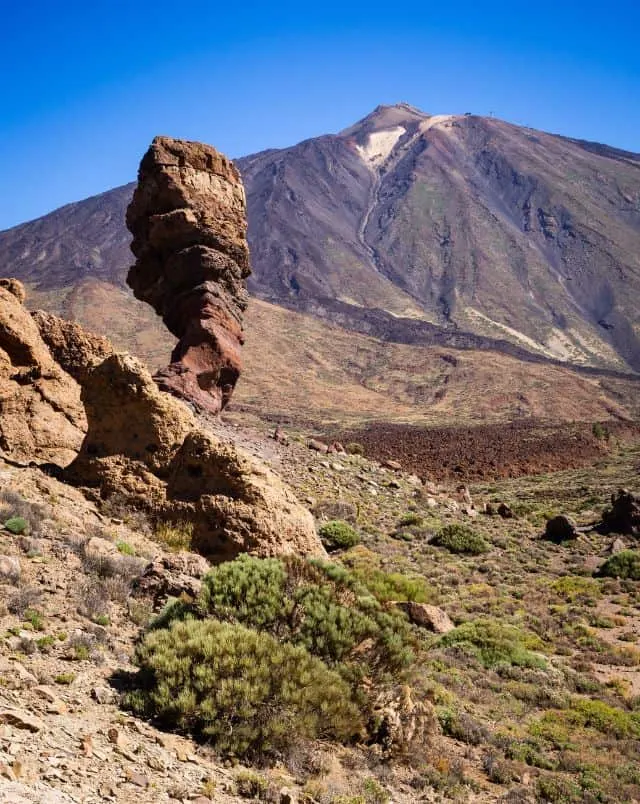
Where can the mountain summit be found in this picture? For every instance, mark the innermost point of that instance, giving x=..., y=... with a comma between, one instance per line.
x=419, y=228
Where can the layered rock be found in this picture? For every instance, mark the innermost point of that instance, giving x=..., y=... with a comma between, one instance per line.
x=188, y=221
x=144, y=446
x=41, y=416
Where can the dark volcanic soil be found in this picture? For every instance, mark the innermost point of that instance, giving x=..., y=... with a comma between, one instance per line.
x=488, y=451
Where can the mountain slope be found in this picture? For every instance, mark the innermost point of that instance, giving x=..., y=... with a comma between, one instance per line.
x=449, y=229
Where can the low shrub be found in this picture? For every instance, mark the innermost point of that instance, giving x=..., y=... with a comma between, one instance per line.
x=460, y=539
x=494, y=643
x=338, y=535
x=16, y=525
x=249, y=693
x=625, y=564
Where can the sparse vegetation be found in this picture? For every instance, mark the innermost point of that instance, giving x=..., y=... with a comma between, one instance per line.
x=175, y=536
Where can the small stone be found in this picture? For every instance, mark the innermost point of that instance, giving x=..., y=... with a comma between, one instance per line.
x=504, y=511
x=391, y=464
x=138, y=779
x=103, y=695
x=21, y=720
x=10, y=569
x=86, y=744
x=56, y=705
x=617, y=546
x=117, y=738
x=431, y=502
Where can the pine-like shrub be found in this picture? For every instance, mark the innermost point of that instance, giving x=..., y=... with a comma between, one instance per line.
x=247, y=692
x=460, y=539
x=338, y=535
x=318, y=605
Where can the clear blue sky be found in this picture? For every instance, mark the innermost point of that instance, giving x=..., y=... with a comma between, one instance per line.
x=84, y=86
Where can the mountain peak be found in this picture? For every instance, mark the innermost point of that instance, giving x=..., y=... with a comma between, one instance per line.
x=384, y=117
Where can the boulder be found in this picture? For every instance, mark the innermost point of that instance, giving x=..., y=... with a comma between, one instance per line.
x=188, y=221
x=144, y=446
x=624, y=514
x=504, y=511
x=171, y=576
x=561, y=529
x=425, y=616
x=41, y=416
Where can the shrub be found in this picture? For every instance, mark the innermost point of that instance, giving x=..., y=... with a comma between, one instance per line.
x=240, y=688
x=16, y=525
x=338, y=535
x=410, y=519
x=600, y=431
x=387, y=586
x=625, y=564
x=315, y=604
x=461, y=539
x=125, y=549
x=494, y=643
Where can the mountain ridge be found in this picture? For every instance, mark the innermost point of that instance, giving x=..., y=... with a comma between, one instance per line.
x=477, y=227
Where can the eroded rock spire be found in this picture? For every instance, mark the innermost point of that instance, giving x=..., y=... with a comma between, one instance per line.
x=188, y=221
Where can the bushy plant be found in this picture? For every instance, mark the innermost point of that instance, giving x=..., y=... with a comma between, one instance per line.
x=625, y=564
x=460, y=539
x=16, y=525
x=176, y=536
x=495, y=643
x=319, y=605
x=338, y=535
x=241, y=688
x=354, y=448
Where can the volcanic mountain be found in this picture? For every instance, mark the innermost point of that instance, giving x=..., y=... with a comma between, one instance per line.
x=452, y=231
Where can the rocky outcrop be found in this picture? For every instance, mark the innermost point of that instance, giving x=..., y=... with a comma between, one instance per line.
x=624, y=514
x=41, y=417
x=167, y=576
x=188, y=221
x=426, y=616
x=144, y=446
x=560, y=528
x=74, y=349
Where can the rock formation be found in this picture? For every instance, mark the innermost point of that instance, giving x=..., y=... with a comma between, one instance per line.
x=624, y=514
x=41, y=416
x=144, y=446
x=72, y=347
x=188, y=221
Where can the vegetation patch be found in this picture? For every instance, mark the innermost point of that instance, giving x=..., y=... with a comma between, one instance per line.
x=460, y=539
x=625, y=564
x=495, y=643
x=338, y=535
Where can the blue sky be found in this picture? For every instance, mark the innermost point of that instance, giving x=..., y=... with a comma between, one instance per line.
x=85, y=86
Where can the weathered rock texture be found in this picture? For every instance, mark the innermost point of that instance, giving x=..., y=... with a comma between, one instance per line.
x=188, y=221
x=144, y=446
x=74, y=349
x=41, y=416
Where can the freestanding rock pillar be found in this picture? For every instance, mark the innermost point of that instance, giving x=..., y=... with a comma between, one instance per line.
x=188, y=221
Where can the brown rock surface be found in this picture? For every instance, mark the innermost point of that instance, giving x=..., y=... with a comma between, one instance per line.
x=426, y=616
x=144, y=446
x=624, y=514
x=188, y=221
x=73, y=348
x=41, y=417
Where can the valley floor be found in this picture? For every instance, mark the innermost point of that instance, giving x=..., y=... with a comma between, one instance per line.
x=537, y=690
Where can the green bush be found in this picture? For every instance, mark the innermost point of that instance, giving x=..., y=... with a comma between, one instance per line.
x=625, y=564
x=387, y=586
x=495, y=643
x=16, y=525
x=318, y=605
x=247, y=692
x=461, y=539
x=338, y=535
